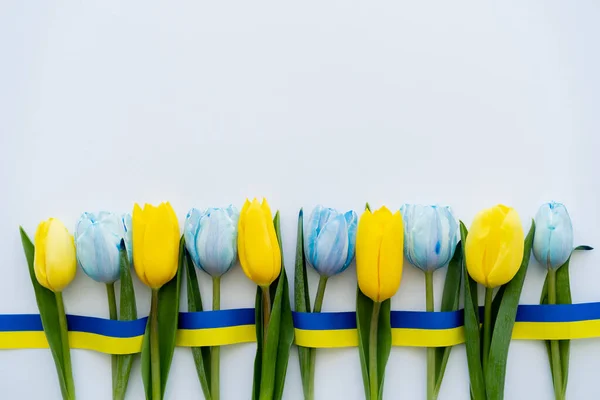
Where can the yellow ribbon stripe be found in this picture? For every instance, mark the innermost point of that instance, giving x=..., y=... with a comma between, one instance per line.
x=216, y=336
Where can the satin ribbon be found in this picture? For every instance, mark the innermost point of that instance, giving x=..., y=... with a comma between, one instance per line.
x=220, y=328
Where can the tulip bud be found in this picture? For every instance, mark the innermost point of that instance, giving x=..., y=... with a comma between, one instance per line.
x=155, y=243
x=494, y=246
x=211, y=239
x=329, y=240
x=379, y=258
x=258, y=247
x=54, y=260
x=430, y=235
x=553, y=240
x=97, y=240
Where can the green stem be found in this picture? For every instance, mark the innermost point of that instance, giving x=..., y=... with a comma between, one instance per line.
x=266, y=301
x=430, y=350
x=64, y=338
x=215, y=350
x=313, y=352
x=154, y=349
x=554, y=348
x=373, y=352
x=112, y=312
x=487, y=325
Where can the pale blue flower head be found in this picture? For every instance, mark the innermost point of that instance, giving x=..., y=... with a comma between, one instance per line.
x=330, y=240
x=553, y=240
x=211, y=238
x=430, y=235
x=97, y=242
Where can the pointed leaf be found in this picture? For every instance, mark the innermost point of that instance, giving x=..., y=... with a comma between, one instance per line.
x=472, y=337
x=201, y=354
x=384, y=343
x=503, y=326
x=450, y=302
x=258, y=306
x=127, y=312
x=302, y=301
x=145, y=363
x=364, y=310
x=46, y=302
x=168, y=317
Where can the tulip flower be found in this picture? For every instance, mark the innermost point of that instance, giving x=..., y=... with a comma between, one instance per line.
x=55, y=266
x=329, y=240
x=430, y=237
x=155, y=244
x=155, y=259
x=379, y=244
x=552, y=247
x=211, y=241
x=329, y=243
x=493, y=253
x=97, y=240
x=553, y=240
x=258, y=247
x=494, y=246
x=55, y=261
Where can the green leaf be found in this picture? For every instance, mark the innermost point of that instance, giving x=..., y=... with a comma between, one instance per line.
x=127, y=312
x=280, y=334
x=46, y=302
x=259, y=322
x=270, y=364
x=302, y=301
x=201, y=354
x=145, y=361
x=472, y=337
x=364, y=310
x=384, y=343
x=505, y=320
x=168, y=317
x=583, y=247
x=450, y=302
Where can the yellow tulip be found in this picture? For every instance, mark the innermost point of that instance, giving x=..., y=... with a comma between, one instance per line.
x=54, y=261
x=155, y=243
x=379, y=253
x=258, y=247
x=494, y=246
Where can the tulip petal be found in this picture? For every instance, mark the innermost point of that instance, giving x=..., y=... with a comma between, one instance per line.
x=160, y=245
x=190, y=232
x=351, y=223
x=39, y=258
x=391, y=257
x=61, y=264
x=258, y=245
x=368, y=241
x=276, y=269
x=475, y=247
x=311, y=232
x=332, y=247
x=510, y=254
x=216, y=242
x=242, y=242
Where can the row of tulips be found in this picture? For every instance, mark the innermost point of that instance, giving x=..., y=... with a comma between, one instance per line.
x=495, y=254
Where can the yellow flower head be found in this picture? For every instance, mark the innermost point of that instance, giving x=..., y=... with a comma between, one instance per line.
x=54, y=262
x=258, y=248
x=155, y=243
x=379, y=253
x=494, y=246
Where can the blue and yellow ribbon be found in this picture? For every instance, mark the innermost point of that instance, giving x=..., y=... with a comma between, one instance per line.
x=338, y=329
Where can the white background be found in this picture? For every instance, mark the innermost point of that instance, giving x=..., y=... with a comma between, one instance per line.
x=107, y=103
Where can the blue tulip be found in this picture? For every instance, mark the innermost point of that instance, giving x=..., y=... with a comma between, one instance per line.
x=330, y=240
x=97, y=241
x=553, y=240
x=430, y=235
x=211, y=238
